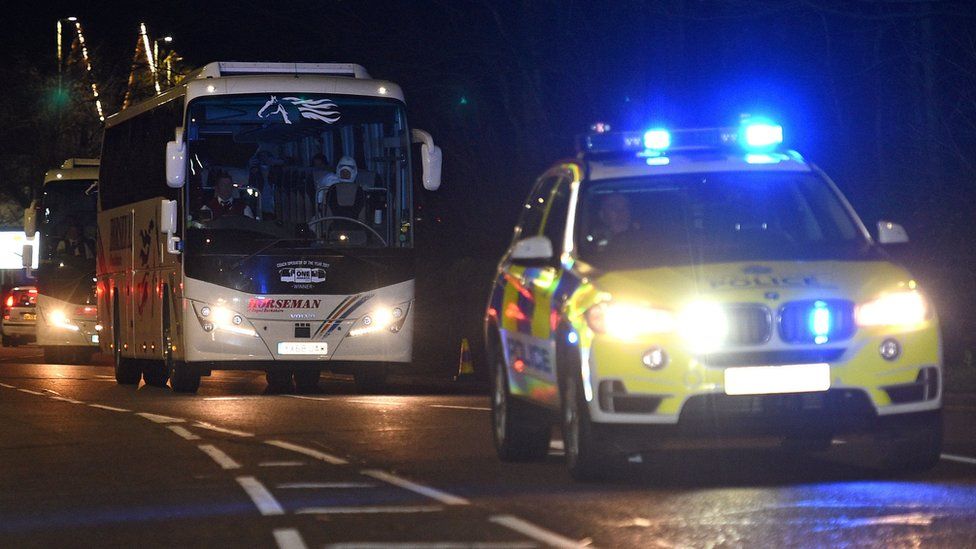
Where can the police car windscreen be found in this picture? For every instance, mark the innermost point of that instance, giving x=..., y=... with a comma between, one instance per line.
x=708, y=218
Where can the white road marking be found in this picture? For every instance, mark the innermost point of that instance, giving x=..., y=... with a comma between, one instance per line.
x=182, y=432
x=234, y=398
x=32, y=392
x=557, y=445
x=960, y=459
x=7, y=386
x=281, y=464
x=376, y=402
x=480, y=408
x=211, y=427
x=262, y=498
x=110, y=408
x=432, y=493
x=289, y=538
x=435, y=545
x=909, y=519
x=307, y=397
x=52, y=392
x=537, y=533
x=219, y=456
x=311, y=452
x=369, y=510
x=317, y=485
x=66, y=399
x=156, y=418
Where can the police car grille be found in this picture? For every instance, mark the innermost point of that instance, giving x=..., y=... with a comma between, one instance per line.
x=748, y=324
x=794, y=320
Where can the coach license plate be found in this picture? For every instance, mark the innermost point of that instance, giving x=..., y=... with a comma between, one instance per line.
x=303, y=348
x=767, y=380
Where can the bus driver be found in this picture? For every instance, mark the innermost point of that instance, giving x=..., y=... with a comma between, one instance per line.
x=223, y=202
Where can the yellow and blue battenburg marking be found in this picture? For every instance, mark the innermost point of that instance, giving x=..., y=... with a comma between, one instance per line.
x=334, y=319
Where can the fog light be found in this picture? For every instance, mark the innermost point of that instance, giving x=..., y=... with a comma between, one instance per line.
x=238, y=319
x=655, y=358
x=204, y=311
x=397, y=313
x=889, y=349
x=367, y=320
x=208, y=326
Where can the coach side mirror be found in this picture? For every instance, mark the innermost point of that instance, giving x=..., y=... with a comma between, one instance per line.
x=430, y=158
x=28, y=259
x=167, y=225
x=891, y=233
x=176, y=161
x=533, y=249
x=30, y=220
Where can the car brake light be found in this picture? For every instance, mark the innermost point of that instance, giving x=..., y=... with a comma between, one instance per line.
x=10, y=301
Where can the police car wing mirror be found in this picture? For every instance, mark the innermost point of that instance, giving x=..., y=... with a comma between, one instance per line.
x=891, y=233
x=430, y=159
x=167, y=225
x=176, y=161
x=533, y=248
x=30, y=220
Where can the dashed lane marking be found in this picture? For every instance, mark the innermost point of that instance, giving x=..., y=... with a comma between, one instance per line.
x=52, y=392
x=38, y=393
x=432, y=493
x=281, y=464
x=183, y=432
x=156, y=418
x=219, y=456
x=109, y=408
x=7, y=386
x=322, y=399
x=66, y=399
x=959, y=459
x=311, y=452
x=211, y=427
x=376, y=402
x=262, y=498
x=323, y=485
x=479, y=408
x=369, y=510
x=289, y=538
x=538, y=533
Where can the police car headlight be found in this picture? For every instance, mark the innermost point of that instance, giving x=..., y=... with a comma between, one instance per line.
x=628, y=321
x=703, y=325
x=895, y=309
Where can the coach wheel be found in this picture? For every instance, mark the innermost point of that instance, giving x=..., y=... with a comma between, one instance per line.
x=520, y=433
x=307, y=381
x=53, y=355
x=279, y=381
x=127, y=371
x=370, y=380
x=183, y=377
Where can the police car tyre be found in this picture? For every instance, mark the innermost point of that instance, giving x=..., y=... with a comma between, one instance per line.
x=586, y=456
x=519, y=432
x=183, y=377
x=912, y=446
x=279, y=381
x=307, y=381
x=370, y=380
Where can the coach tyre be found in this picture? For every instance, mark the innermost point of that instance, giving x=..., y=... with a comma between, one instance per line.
x=127, y=371
x=156, y=373
x=520, y=432
x=371, y=379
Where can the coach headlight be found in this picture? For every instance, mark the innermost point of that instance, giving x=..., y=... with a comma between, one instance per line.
x=903, y=308
x=58, y=319
x=381, y=318
x=218, y=317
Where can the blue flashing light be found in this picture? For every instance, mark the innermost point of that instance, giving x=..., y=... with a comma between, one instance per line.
x=658, y=161
x=657, y=139
x=572, y=338
x=760, y=158
x=760, y=133
x=820, y=322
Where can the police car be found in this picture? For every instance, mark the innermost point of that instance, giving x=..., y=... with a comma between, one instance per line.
x=667, y=285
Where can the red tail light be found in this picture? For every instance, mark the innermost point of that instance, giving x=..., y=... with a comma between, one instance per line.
x=10, y=301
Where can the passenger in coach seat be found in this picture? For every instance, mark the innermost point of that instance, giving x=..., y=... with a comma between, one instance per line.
x=346, y=171
x=223, y=201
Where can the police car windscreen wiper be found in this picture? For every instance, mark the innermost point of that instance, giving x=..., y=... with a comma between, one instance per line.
x=273, y=243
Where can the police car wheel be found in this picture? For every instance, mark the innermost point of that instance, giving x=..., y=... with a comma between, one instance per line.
x=520, y=433
x=912, y=446
x=585, y=458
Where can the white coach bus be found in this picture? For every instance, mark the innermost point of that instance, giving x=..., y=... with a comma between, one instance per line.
x=64, y=215
x=259, y=217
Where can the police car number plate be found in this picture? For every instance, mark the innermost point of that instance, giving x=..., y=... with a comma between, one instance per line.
x=766, y=380
x=303, y=348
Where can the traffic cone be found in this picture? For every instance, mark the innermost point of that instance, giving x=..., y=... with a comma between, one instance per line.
x=465, y=366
